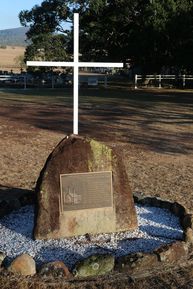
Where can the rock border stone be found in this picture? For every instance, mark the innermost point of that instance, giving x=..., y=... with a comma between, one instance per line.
x=138, y=265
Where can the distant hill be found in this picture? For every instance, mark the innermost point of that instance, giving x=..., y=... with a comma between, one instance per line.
x=15, y=36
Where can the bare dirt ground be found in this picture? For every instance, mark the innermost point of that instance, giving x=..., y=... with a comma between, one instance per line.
x=152, y=128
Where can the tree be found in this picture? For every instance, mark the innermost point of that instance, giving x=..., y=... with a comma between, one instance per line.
x=47, y=36
x=151, y=33
x=19, y=61
x=47, y=47
x=45, y=18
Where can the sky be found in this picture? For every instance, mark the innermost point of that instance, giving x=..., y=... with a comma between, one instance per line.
x=10, y=9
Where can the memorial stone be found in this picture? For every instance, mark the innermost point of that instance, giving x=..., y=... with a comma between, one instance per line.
x=83, y=188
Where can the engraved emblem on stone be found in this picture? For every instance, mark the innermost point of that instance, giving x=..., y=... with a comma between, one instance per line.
x=71, y=197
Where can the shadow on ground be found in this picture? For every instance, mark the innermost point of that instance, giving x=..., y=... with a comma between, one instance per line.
x=9, y=193
x=161, y=120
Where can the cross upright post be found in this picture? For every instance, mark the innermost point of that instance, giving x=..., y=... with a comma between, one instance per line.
x=75, y=64
x=75, y=84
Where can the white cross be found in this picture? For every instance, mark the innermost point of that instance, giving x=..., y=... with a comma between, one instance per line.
x=76, y=64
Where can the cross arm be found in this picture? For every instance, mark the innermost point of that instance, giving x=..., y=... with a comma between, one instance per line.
x=50, y=63
x=72, y=64
x=100, y=64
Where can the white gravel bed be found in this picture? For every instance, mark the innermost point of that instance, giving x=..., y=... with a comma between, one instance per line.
x=156, y=227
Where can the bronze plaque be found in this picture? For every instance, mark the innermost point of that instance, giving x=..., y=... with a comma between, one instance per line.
x=86, y=191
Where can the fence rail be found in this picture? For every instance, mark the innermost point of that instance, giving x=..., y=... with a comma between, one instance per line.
x=158, y=78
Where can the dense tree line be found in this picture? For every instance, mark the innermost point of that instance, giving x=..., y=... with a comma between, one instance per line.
x=149, y=33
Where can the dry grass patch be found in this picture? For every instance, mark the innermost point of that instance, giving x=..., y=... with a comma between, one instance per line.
x=152, y=128
x=176, y=279
x=8, y=56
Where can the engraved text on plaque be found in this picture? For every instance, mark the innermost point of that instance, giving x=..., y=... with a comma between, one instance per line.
x=81, y=191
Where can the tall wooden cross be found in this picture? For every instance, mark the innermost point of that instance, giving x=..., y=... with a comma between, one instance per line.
x=75, y=64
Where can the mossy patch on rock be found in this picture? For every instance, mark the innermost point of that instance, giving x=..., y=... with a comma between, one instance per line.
x=97, y=160
x=94, y=265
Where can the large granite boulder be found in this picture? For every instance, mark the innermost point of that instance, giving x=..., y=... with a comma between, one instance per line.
x=83, y=188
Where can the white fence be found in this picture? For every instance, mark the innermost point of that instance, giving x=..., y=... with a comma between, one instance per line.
x=14, y=79
x=159, y=78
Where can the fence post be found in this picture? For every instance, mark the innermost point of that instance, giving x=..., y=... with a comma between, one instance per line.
x=105, y=81
x=160, y=81
x=135, y=81
x=184, y=81
x=25, y=80
x=52, y=80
